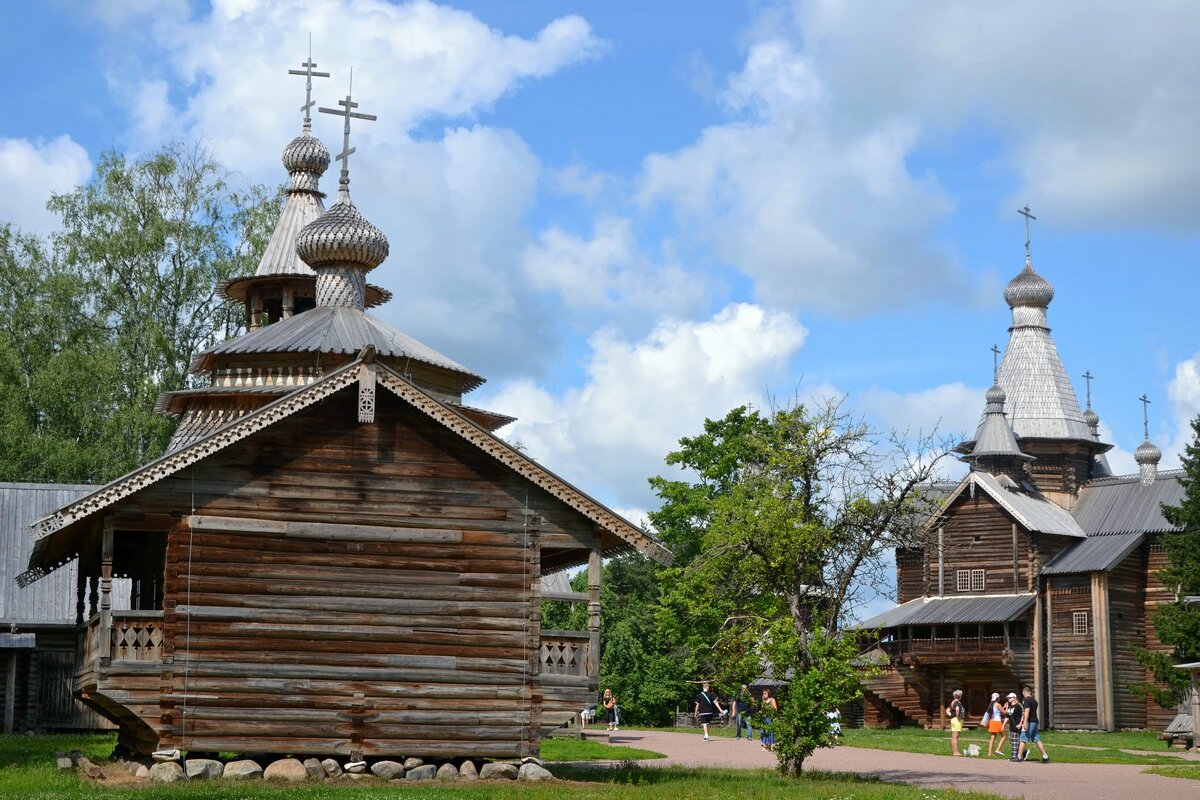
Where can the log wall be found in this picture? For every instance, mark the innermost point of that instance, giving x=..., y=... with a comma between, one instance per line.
x=1128, y=630
x=1157, y=717
x=978, y=534
x=374, y=599
x=1071, y=656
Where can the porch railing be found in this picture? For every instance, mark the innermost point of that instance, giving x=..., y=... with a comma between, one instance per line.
x=565, y=653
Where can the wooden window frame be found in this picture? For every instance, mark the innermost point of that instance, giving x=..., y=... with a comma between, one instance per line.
x=962, y=580
x=979, y=585
x=1079, y=619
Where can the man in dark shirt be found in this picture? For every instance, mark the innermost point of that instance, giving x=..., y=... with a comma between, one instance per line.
x=1029, y=726
x=705, y=703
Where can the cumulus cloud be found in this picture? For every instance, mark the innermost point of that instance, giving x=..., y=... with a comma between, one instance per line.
x=817, y=217
x=608, y=273
x=640, y=397
x=952, y=409
x=1099, y=119
x=30, y=171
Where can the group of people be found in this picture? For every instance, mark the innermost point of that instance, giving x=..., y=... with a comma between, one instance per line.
x=1018, y=717
x=744, y=712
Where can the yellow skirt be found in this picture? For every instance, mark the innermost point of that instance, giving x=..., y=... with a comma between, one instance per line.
x=956, y=725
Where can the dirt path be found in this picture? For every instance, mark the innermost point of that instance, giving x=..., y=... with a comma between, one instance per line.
x=1052, y=781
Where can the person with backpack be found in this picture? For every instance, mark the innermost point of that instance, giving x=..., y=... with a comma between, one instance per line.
x=957, y=713
x=993, y=721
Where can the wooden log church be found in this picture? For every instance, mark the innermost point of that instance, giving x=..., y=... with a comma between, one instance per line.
x=1040, y=568
x=335, y=555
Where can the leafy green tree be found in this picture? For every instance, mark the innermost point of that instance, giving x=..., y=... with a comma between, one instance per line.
x=109, y=316
x=787, y=528
x=1177, y=624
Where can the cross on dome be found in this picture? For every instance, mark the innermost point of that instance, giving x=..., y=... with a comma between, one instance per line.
x=1145, y=415
x=1024, y=212
x=1087, y=376
x=995, y=363
x=309, y=73
x=347, y=111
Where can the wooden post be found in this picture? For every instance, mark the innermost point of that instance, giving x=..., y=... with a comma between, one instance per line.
x=593, y=621
x=255, y=310
x=289, y=303
x=1043, y=644
x=1016, y=560
x=1102, y=643
x=1195, y=710
x=941, y=561
x=106, y=560
x=10, y=692
x=80, y=591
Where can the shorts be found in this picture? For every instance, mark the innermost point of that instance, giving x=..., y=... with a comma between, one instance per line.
x=956, y=725
x=1030, y=734
x=706, y=718
x=996, y=726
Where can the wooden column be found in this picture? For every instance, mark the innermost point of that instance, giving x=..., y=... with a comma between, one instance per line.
x=80, y=591
x=106, y=562
x=533, y=555
x=255, y=321
x=593, y=619
x=1042, y=649
x=289, y=302
x=1016, y=559
x=10, y=692
x=941, y=562
x=1102, y=642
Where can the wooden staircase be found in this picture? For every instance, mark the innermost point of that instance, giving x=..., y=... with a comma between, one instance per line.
x=894, y=689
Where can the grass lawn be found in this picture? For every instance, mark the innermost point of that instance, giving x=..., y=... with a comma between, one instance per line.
x=1192, y=771
x=27, y=771
x=1065, y=747
x=564, y=749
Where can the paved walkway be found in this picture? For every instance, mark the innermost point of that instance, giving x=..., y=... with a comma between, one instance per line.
x=1053, y=781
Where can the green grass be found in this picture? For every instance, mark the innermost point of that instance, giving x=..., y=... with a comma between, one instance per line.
x=27, y=771
x=591, y=750
x=1191, y=771
x=1064, y=747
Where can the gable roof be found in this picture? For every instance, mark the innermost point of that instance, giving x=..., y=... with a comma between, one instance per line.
x=949, y=610
x=48, y=554
x=1032, y=511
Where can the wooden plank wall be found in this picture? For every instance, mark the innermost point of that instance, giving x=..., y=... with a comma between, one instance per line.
x=1128, y=630
x=1157, y=717
x=52, y=599
x=978, y=535
x=408, y=635
x=1072, y=661
x=910, y=574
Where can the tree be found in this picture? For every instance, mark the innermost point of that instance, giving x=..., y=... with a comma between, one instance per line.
x=110, y=315
x=1176, y=624
x=787, y=528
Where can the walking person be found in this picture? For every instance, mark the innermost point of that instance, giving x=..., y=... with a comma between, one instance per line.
x=994, y=717
x=957, y=713
x=1014, y=713
x=706, y=702
x=742, y=710
x=768, y=710
x=1030, y=734
x=610, y=709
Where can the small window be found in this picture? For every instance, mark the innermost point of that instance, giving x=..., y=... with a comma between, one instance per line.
x=978, y=580
x=1079, y=623
x=963, y=580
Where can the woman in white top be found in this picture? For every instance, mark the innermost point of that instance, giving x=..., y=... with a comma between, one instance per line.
x=995, y=725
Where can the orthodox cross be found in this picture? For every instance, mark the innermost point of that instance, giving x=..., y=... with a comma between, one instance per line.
x=995, y=364
x=1087, y=376
x=1145, y=415
x=308, y=74
x=347, y=111
x=1024, y=212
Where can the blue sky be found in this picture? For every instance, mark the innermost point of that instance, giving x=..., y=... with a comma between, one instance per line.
x=630, y=216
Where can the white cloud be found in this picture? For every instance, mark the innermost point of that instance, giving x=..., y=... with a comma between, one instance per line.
x=640, y=397
x=608, y=273
x=1097, y=104
x=30, y=171
x=952, y=409
x=816, y=216
x=580, y=181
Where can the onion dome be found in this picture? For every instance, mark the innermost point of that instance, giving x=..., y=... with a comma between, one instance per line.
x=995, y=447
x=305, y=158
x=1147, y=453
x=342, y=247
x=1092, y=419
x=1028, y=289
x=995, y=396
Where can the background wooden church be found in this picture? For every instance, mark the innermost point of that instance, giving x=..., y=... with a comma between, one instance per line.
x=1040, y=567
x=336, y=554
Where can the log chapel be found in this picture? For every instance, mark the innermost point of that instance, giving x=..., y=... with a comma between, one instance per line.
x=336, y=555
x=1040, y=566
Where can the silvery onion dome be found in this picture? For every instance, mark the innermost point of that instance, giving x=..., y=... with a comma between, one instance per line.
x=994, y=438
x=1147, y=453
x=342, y=246
x=1091, y=418
x=305, y=158
x=1028, y=289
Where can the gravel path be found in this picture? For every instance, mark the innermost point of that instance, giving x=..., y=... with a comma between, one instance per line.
x=1053, y=781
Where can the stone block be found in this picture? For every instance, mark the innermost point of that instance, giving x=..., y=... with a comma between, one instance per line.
x=387, y=769
x=424, y=772
x=314, y=769
x=413, y=763
x=534, y=772
x=245, y=769
x=332, y=768
x=203, y=769
x=467, y=771
x=447, y=772
x=167, y=772
x=498, y=771
x=356, y=767
x=289, y=770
